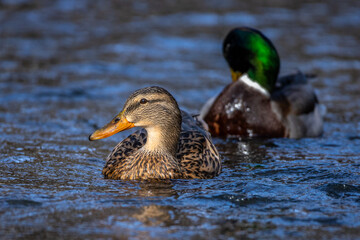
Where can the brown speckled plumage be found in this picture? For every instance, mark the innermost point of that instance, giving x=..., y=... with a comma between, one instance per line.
x=195, y=155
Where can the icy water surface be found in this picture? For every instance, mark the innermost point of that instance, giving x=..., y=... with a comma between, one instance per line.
x=66, y=68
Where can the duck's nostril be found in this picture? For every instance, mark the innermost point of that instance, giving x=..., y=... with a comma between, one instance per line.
x=116, y=120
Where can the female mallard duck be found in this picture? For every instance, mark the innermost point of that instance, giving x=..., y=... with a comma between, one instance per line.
x=173, y=145
x=256, y=103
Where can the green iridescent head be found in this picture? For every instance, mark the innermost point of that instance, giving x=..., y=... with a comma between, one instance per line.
x=248, y=51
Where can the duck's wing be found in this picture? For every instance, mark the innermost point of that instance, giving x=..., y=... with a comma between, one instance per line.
x=295, y=78
x=191, y=123
x=197, y=154
x=295, y=101
x=294, y=95
x=123, y=150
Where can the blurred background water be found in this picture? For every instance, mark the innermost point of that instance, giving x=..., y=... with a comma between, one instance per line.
x=66, y=68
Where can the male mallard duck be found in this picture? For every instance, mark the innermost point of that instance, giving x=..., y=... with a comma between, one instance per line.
x=256, y=103
x=173, y=145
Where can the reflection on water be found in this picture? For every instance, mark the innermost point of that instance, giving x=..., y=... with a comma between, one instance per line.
x=66, y=66
x=154, y=215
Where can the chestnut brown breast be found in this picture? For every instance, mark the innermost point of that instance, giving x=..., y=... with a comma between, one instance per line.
x=241, y=111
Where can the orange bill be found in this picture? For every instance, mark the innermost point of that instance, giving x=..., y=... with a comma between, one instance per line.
x=235, y=75
x=118, y=124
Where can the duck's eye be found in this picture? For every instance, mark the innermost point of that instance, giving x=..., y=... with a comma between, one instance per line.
x=227, y=47
x=143, y=101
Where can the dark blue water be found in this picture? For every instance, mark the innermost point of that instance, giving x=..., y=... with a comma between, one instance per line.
x=66, y=68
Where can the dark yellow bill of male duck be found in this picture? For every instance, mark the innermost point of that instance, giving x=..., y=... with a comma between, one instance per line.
x=171, y=145
x=256, y=103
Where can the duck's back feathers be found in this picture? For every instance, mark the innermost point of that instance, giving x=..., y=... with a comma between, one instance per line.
x=295, y=94
x=296, y=104
x=198, y=156
x=192, y=123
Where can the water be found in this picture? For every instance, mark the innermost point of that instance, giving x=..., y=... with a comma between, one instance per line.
x=66, y=68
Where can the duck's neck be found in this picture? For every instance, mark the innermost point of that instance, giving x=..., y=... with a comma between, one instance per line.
x=245, y=78
x=265, y=79
x=162, y=141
